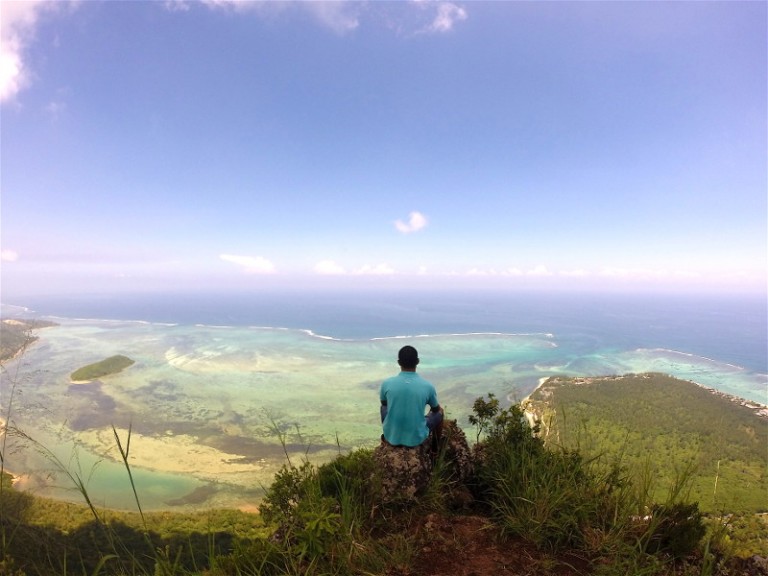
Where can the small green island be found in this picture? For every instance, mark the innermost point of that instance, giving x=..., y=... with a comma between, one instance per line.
x=106, y=367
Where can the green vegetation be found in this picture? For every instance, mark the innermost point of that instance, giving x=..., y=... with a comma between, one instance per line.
x=111, y=365
x=43, y=536
x=563, y=508
x=662, y=426
x=530, y=506
x=16, y=335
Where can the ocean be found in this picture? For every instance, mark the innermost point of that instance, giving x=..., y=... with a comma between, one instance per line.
x=219, y=379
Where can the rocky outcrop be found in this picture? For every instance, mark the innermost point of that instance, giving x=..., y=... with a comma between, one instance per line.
x=405, y=472
x=457, y=454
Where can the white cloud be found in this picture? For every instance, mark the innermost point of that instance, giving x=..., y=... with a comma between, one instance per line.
x=251, y=264
x=447, y=15
x=9, y=255
x=17, y=30
x=329, y=268
x=574, y=273
x=647, y=273
x=420, y=16
x=332, y=268
x=539, y=270
x=630, y=272
x=16, y=27
x=236, y=4
x=378, y=270
x=176, y=5
x=416, y=222
x=338, y=16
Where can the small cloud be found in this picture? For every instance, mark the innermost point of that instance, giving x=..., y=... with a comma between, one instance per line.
x=55, y=110
x=686, y=274
x=251, y=264
x=378, y=270
x=176, y=5
x=236, y=4
x=329, y=268
x=338, y=16
x=447, y=15
x=639, y=273
x=539, y=270
x=9, y=255
x=416, y=221
x=574, y=273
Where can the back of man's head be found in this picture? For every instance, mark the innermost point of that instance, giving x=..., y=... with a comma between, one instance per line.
x=408, y=357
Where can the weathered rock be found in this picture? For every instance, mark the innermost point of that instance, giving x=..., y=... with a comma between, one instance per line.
x=405, y=472
x=457, y=456
x=757, y=565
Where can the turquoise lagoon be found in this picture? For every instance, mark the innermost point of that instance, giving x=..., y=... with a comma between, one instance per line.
x=214, y=411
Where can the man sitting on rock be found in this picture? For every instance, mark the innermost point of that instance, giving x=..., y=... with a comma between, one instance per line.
x=403, y=398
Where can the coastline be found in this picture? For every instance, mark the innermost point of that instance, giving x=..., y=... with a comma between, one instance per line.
x=542, y=380
x=246, y=364
x=530, y=416
x=760, y=409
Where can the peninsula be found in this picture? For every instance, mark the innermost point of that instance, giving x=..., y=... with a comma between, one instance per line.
x=16, y=335
x=666, y=423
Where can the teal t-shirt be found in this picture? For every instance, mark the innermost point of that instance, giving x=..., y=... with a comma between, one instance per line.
x=406, y=396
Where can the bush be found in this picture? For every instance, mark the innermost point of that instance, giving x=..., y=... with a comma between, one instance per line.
x=321, y=514
x=678, y=529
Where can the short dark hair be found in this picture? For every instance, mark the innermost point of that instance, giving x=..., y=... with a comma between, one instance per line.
x=408, y=357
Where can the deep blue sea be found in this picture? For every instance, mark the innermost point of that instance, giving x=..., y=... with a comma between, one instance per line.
x=726, y=328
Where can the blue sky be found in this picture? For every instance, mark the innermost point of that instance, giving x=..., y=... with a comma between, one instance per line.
x=249, y=145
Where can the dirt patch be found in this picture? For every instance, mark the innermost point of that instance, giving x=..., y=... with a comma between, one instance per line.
x=471, y=546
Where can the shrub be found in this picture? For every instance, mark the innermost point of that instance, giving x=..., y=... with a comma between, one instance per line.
x=550, y=496
x=678, y=529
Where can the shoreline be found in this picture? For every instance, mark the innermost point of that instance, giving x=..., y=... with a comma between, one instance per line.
x=759, y=408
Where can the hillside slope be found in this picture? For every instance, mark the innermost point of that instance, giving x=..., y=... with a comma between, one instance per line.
x=663, y=427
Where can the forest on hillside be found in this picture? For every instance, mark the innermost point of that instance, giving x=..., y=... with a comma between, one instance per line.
x=663, y=426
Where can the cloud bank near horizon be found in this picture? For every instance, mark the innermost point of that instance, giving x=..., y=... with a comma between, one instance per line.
x=251, y=264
